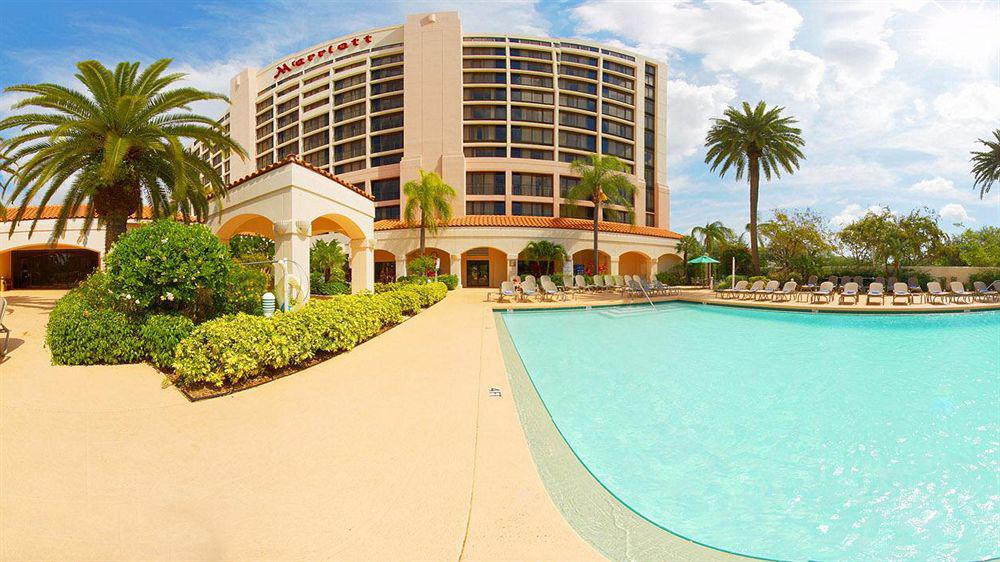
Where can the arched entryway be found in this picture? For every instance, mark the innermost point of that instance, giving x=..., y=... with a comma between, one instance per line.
x=40, y=266
x=586, y=259
x=445, y=259
x=666, y=262
x=385, y=266
x=635, y=263
x=246, y=224
x=483, y=267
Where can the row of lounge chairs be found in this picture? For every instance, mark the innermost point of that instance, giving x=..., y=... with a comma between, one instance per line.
x=851, y=290
x=760, y=290
x=546, y=289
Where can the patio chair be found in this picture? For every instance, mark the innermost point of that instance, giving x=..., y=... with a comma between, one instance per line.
x=833, y=279
x=891, y=283
x=550, y=290
x=844, y=281
x=811, y=284
x=632, y=289
x=599, y=283
x=648, y=287
x=881, y=281
x=734, y=290
x=528, y=287
x=850, y=292
x=532, y=277
x=984, y=292
x=859, y=280
x=665, y=289
x=507, y=291
x=786, y=291
x=934, y=292
x=876, y=291
x=959, y=293
x=913, y=285
x=753, y=290
x=619, y=282
x=543, y=278
x=901, y=291
x=768, y=289
x=581, y=284
x=825, y=291
x=4, y=329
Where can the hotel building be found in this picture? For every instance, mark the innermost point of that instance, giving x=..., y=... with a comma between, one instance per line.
x=499, y=117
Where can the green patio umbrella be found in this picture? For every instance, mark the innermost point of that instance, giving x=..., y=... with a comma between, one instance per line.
x=708, y=261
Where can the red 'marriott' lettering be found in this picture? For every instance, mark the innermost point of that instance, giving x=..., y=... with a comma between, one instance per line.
x=285, y=68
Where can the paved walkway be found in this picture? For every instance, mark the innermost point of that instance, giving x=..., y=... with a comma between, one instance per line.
x=392, y=451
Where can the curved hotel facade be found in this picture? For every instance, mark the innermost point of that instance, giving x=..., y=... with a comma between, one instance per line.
x=499, y=117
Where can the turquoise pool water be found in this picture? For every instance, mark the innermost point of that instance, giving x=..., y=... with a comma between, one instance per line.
x=783, y=435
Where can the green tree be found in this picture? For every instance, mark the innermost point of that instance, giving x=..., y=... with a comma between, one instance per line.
x=711, y=234
x=328, y=258
x=115, y=147
x=986, y=164
x=688, y=246
x=981, y=247
x=430, y=198
x=603, y=182
x=797, y=241
x=251, y=247
x=543, y=251
x=882, y=238
x=750, y=141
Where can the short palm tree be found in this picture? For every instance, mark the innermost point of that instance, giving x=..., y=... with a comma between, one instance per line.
x=711, y=233
x=543, y=251
x=986, y=164
x=115, y=146
x=688, y=246
x=602, y=181
x=430, y=198
x=750, y=141
x=328, y=258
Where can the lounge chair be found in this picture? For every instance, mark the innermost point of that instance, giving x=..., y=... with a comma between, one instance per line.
x=850, y=292
x=619, y=282
x=959, y=293
x=649, y=288
x=4, y=329
x=581, y=283
x=733, y=291
x=859, y=280
x=632, y=289
x=531, y=277
x=811, y=284
x=507, y=291
x=528, y=287
x=901, y=291
x=753, y=290
x=768, y=289
x=665, y=289
x=550, y=290
x=786, y=291
x=875, y=291
x=599, y=283
x=825, y=291
x=983, y=292
x=934, y=292
x=913, y=285
x=844, y=281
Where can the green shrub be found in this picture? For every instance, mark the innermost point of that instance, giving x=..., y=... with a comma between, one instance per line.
x=450, y=281
x=557, y=278
x=429, y=293
x=673, y=276
x=987, y=276
x=79, y=333
x=408, y=301
x=160, y=335
x=251, y=247
x=318, y=286
x=421, y=265
x=243, y=290
x=229, y=349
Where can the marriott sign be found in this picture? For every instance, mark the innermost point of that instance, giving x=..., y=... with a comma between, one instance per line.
x=289, y=66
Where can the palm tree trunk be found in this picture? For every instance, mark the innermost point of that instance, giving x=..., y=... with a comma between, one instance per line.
x=423, y=240
x=754, y=193
x=687, y=272
x=597, y=213
x=114, y=227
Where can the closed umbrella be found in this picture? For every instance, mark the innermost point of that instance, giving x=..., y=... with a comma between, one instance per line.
x=708, y=261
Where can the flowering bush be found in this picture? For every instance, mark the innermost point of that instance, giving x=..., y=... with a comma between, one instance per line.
x=160, y=335
x=83, y=332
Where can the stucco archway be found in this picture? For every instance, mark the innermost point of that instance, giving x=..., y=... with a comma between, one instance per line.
x=635, y=263
x=444, y=269
x=47, y=266
x=586, y=258
x=667, y=262
x=483, y=267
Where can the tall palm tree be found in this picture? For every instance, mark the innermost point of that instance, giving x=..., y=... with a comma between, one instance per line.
x=986, y=164
x=753, y=140
x=431, y=199
x=602, y=181
x=115, y=146
x=711, y=233
x=544, y=251
x=688, y=245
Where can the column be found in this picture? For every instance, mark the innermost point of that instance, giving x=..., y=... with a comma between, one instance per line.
x=456, y=268
x=511, y=266
x=362, y=265
x=613, y=266
x=400, y=267
x=292, y=242
x=568, y=271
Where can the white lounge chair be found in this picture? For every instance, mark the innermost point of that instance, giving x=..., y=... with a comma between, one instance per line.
x=507, y=291
x=550, y=290
x=665, y=289
x=528, y=287
x=740, y=286
x=825, y=291
x=811, y=285
x=934, y=292
x=850, y=292
x=959, y=293
x=984, y=292
x=768, y=289
x=876, y=291
x=901, y=291
x=753, y=290
x=786, y=291
x=4, y=329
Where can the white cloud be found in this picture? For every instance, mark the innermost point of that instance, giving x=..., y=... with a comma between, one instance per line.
x=960, y=35
x=955, y=212
x=797, y=72
x=852, y=213
x=979, y=101
x=859, y=62
x=690, y=109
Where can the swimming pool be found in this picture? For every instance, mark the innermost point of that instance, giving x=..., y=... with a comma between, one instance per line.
x=783, y=435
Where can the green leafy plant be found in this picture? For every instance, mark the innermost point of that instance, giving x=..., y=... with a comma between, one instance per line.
x=430, y=200
x=251, y=247
x=986, y=164
x=450, y=281
x=328, y=259
x=160, y=335
x=79, y=333
x=545, y=252
x=421, y=265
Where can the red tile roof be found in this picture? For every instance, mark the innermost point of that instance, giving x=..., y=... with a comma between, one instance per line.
x=541, y=222
x=52, y=212
x=295, y=159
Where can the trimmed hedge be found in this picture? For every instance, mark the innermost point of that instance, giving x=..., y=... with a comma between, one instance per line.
x=79, y=333
x=450, y=281
x=233, y=349
x=160, y=335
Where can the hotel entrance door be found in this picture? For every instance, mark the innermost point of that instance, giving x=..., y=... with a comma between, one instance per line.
x=477, y=273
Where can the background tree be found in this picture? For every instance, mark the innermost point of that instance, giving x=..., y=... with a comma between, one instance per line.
x=115, y=147
x=251, y=247
x=328, y=258
x=981, y=247
x=603, y=181
x=986, y=164
x=730, y=249
x=688, y=246
x=797, y=241
x=430, y=198
x=882, y=238
x=712, y=234
x=543, y=251
x=750, y=141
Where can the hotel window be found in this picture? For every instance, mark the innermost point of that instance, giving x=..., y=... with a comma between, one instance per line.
x=266, y=130
x=486, y=152
x=351, y=111
x=614, y=215
x=484, y=78
x=390, y=121
x=349, y=96
x=534, y=81
x=577, y=140
x=290, y=104
x=318, y=159
x=615, y=95
x=620, y=68
x=265, y=145
x=386, y=87
x=534, y=185
x=485, y=183
x=616, y=111
x=349, y=81
x=485, y=208
x=531, y=115
x=288, y=119
x=484, y=51
x=388, y=59
x=530, y=153
x=387, y=72
x=531, y=96
x=387, y=213
x=531, y=209
x=288, y=134
x=484, y=63
x=315, y=141
x=350, y=167
x=578, y=120
x=317, y=122
x=315, y=91
x=316, y=78
x=577, y=86
x=385, y=190
x=288, y=150
x=352, y=129
x=265, y=160
x=383, y=104
x=576, y=212
x=531, y=66
x=485, y=94
x=264, y=104
x=288, y=90
x=576, y=102
x=567, y=183
x=616, y=148
x=531, y=54
x=387, y=159
x=578, y=59
x=485, y=112
x=315, y=105
x=580, y=47
x=383, y=143
x=485, y=133
x=530, y=135
x=266, y=116
x=531, y=42
x=618, y=129
x=348, y=150
x=620, y=82
x=351, y=66
x=578, y=72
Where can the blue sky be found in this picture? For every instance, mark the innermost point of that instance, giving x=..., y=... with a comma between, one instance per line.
x=891, y=95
